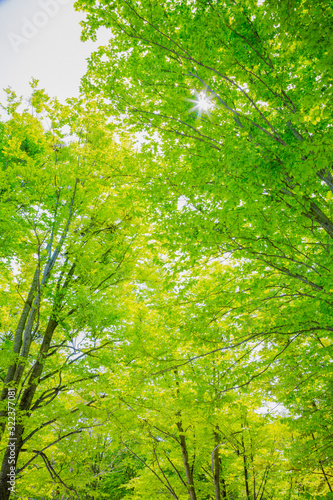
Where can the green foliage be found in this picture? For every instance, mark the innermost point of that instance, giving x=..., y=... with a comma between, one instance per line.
x=178, y=340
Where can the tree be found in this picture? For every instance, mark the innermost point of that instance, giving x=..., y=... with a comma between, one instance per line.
x=182, y=405
x=74, y=224
x=250, y=162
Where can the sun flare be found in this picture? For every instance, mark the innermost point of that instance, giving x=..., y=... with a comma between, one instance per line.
x=202, y=103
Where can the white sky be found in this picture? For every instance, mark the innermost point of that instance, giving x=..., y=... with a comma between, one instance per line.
x=41, y=39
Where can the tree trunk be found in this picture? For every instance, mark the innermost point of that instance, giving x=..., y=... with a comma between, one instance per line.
x=224, y=488
x=219, y=482
x=17, y=346
x=246, y=472
x=23, y=408
x=14, y=444
x=188, y=472
x=217, y=466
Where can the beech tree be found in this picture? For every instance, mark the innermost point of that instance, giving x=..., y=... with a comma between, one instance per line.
x=234, y=101
x=73, y=232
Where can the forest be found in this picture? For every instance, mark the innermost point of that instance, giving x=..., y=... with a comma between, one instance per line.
x=166, y=260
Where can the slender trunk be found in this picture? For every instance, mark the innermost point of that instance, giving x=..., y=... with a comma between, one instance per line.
x=183, y=446
x=17, y=346
x=246, y=477
x=217, y=466
x=223, y=488
x=246, y=472
x=27, y=338
x=188, y=472
x=9, y=460
x=263, y=484
x=15, y=442
x=253, y=468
